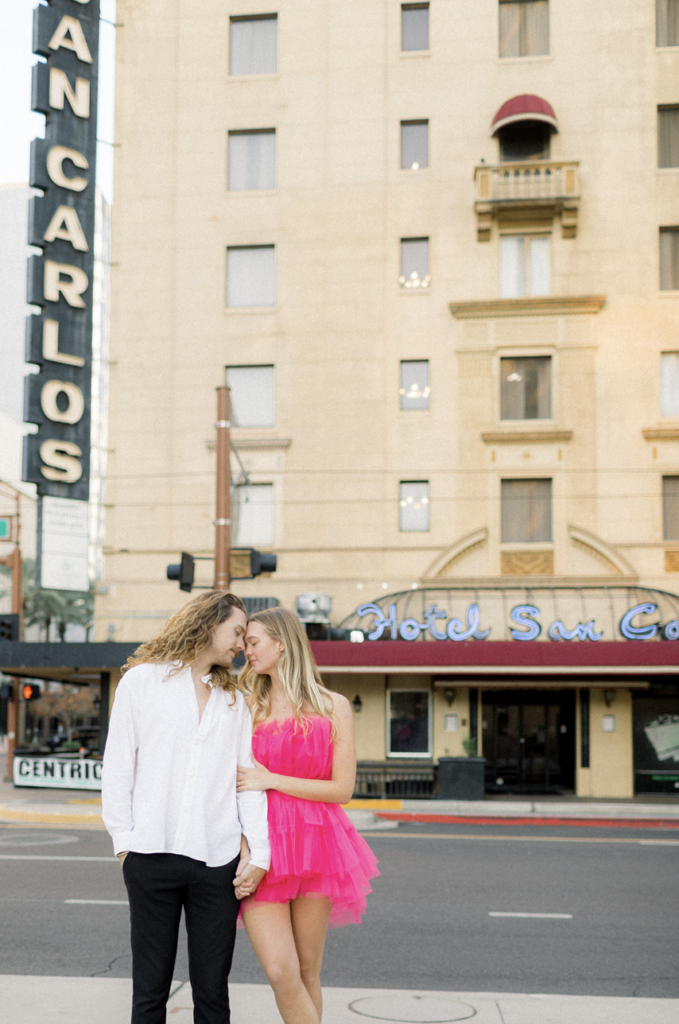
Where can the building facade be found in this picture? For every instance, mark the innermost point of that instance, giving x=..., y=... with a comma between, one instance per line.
x=433, y=248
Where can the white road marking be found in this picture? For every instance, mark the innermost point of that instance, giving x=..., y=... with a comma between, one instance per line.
x=512, y=913
x=44, y=856
x=106, y=903
x=659, y=842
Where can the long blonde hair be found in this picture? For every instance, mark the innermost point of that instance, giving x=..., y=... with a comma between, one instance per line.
x=188, y=632
x=297, y=671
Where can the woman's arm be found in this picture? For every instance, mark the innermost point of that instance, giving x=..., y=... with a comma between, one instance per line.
x=336, y=790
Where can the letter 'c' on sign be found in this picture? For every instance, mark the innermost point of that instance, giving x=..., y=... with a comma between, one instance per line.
x=61, y=461
x=76, y=401
x=55, y=168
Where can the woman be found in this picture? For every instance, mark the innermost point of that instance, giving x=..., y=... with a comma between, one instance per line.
x=303, y=747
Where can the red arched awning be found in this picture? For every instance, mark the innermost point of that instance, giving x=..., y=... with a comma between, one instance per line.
x=524, y=108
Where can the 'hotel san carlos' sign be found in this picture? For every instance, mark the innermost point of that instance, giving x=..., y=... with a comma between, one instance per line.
x=61, y=223
x=525, y=625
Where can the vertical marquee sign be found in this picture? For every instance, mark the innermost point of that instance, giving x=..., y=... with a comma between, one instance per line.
x=61, y=223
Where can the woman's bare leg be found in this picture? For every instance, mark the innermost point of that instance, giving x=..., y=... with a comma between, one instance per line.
x=270, y=931
x=309, y=918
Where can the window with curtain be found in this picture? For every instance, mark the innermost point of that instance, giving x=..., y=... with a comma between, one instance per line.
x=253, y=515
x=415, y=388
x=252, y=395
x=667, y=22
x=525, y=386
x=414, y=27
x=253, y=45
x=252, y=160
x=524, y=266
x=414, y=145
x=250, y=276
x=414, y=263
x=524, y=28
x=669, y=259
x=526, y=511
x=668, y=136
x=669, y=384
x=670, y=507
x=409, y=723
x=414, y=506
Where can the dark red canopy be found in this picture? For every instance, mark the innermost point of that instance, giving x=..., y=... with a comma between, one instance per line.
x=524, y=108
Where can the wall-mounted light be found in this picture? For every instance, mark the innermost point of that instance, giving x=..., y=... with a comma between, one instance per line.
x=449, y=695
x=357, y=703
x=609, y=697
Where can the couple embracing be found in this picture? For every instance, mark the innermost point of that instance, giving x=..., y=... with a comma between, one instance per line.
x=201, y=824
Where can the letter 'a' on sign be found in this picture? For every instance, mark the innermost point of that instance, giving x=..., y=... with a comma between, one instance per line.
x=70, y=36
x=65, y=224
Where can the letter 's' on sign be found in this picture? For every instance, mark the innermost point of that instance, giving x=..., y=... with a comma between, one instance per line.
x=61, y=225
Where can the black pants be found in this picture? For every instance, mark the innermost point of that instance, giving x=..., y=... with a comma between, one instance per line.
x=158, y=886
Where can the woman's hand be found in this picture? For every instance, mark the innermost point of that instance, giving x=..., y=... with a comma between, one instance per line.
x=257, y=778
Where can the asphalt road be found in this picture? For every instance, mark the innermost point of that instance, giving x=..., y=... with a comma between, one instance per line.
x=429, y=923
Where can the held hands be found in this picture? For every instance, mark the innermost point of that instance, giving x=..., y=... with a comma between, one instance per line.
x=247, y=879
x=256, y=778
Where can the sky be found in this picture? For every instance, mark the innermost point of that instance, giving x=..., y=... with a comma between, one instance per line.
x=18, y=124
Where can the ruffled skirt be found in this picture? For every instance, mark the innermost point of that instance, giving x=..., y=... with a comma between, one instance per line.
x=316, y=852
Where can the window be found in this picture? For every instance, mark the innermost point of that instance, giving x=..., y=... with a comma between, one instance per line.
x=415, y=388
x=524, y=266
x=524, y=140
x=252, y=395
x=250, y=276
x=670, y=507
x=414, y=145
x=414, y=263
x=669, y=384
x=525, y=388
x=252, y=514
x=252, y=160
x=668, y=136
x=667, y=22
x=669, y=259
x=409, y=723
x=526, y=510
x=414, y=506
x=414, y=27
x=524, y=28
x=254, y=45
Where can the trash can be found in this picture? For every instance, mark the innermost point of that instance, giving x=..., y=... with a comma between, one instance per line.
x=461, y=778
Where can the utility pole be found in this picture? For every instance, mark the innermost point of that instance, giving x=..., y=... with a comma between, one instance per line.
x=223, y=520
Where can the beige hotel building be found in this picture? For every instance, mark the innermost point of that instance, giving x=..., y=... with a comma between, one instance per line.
x=433, y=248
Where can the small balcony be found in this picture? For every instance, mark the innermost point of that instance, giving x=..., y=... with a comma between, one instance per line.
x=527, y=191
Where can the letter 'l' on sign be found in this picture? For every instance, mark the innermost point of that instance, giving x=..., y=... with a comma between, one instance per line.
x=61, y=225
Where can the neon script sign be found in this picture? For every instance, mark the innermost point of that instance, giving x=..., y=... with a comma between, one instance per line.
x=525, y=625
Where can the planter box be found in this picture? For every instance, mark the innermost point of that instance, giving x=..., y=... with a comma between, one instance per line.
x=461, y=778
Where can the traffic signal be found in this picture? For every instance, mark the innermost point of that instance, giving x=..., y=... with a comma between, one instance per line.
x=9, y=628
x=184, y=572
x=30, y=691
x=244, y=564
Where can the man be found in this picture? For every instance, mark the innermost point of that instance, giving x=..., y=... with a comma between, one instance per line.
x=178, y=731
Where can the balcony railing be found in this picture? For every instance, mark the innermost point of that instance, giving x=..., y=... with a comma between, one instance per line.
x=534, y=187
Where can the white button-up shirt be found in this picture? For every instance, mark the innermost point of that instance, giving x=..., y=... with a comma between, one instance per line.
x=169, y=779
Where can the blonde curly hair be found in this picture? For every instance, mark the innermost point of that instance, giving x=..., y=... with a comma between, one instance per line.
x=297, y=671
x=188, y=632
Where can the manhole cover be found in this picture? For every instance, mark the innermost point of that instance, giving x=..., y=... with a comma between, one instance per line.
x=36, y=839
x=412, y=1009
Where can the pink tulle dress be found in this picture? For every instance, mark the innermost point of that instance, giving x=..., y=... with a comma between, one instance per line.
x=315, y=850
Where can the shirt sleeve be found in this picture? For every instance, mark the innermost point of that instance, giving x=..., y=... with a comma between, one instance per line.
x=118, y=772
x=252, y=805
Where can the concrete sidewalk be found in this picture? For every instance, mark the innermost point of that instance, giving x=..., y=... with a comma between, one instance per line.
x=55, y=1000
x=83, y=808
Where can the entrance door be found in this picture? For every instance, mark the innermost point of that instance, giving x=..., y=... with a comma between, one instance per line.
x=529, y=741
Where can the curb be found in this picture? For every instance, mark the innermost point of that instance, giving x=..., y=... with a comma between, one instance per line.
x=469, y=819
x=9, y=816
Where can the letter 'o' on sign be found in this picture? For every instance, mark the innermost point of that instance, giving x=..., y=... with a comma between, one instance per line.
x=61, y=460
x=49, y=401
